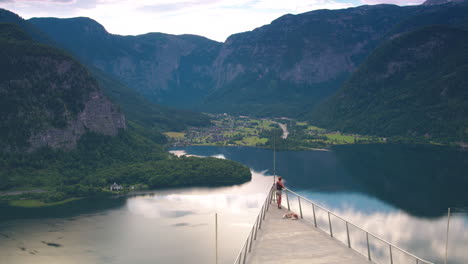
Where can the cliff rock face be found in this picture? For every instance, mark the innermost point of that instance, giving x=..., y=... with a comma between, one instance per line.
x=46, y=97
x=169, y=69
x=285, y=68
x=99, y=115
x=299, y=59
x=412, y=85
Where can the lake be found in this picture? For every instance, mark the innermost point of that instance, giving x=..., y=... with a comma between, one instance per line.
x=398, y=192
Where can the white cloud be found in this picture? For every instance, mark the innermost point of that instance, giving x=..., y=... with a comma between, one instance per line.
x=394, y=2
x=215, y=19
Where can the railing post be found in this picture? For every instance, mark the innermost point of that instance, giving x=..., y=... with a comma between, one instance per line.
x=368, y=247
x=287, y=200
x=329, y=223
x=315, y=219
x=216, y=238
x=417, y=261
x=268, y=200
x=391, y=256
x=256, y=228
x=261, y=218
x=245, y=253
x=251, y=239
x=300, y=208
x=347, y=233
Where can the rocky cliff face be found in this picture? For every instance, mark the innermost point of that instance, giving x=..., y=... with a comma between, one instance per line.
x=412, y=85
x=304, y=56
x=47, y=98
x=299, y=58
x=163, y=67
x=284, y=68
x=99, y=115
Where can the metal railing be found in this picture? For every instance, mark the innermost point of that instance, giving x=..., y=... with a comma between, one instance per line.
x=247, y=247
x=375, y=248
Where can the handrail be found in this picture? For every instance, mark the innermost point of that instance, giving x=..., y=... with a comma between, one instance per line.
x=247, y=247
x=347, y=222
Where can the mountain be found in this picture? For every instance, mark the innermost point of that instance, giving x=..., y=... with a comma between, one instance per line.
x=286, y=68
x=32, y=31
x=293, y=63
x=61, y=133
x=413, y=85
x=47, y=98
x=135, y=106
x=441, y=2
x=140, y=110
x=281, y=68
x=169, y=69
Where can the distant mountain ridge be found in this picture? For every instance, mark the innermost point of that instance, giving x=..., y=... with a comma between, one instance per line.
x=441, y=2
x=165, y=68
x=287, y=68
x=60, y=132
x=414, y=85
x=47, y=98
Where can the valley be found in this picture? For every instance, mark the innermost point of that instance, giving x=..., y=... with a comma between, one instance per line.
x=285, y=133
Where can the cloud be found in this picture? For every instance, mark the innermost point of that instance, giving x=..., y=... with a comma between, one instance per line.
x=215, y=19
x=394, y=2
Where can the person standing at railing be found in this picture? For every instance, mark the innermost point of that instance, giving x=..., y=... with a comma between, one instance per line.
x=279, y=191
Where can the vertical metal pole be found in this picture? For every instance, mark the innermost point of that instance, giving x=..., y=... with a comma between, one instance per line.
x=274, y=158
x=255, y=228
x=391, y=255
x=447, y=236
x=272, y=197
x=251, y=238
x=300, y=208
x=287, y=200
x=261, y=218
x=329, y=223
x=268, y=200
x=216, y=237
x=347, y=233
x=315, y=219
x=263, y=212
x=368, y=247
x=245, y=252
x=417, y=261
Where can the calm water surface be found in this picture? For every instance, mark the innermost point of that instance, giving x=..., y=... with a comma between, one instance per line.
x=398, y=192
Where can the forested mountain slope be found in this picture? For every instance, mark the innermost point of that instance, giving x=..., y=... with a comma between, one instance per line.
x=413, y=85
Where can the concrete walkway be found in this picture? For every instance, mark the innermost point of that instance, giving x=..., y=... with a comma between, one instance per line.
x=286, y=241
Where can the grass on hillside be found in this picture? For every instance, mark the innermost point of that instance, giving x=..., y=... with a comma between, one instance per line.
x=33, y=203
x=339, y=138
x=175, y=135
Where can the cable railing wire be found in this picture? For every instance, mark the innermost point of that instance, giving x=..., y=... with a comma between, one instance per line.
x=369, y=249
x=391, y=247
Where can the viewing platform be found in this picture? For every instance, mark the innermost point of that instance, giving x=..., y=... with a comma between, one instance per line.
x=317, y=237
x=297, y=241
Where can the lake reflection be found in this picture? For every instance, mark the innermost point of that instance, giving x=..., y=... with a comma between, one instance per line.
x=398, y=192
x=170, y=226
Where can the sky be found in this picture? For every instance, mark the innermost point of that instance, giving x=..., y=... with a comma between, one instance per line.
x=214, y=19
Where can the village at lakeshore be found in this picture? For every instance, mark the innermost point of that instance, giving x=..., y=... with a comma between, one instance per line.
x=225, y=131
x=282, y=133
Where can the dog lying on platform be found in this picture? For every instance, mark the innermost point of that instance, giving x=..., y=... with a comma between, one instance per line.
x=293, y=216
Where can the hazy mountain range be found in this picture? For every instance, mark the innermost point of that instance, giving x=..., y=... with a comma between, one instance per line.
x=74, y=130
x=303, y=66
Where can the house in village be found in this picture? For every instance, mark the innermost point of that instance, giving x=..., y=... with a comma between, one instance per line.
x=116, y=187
